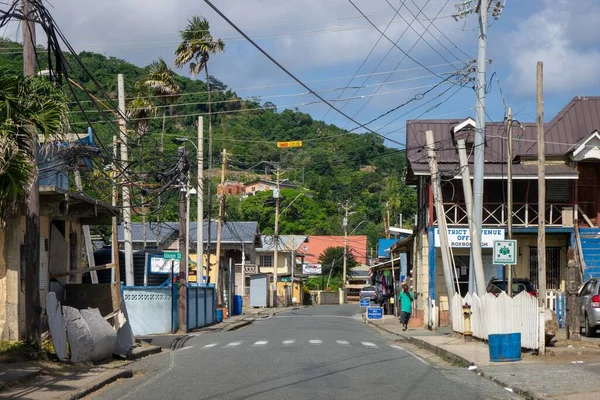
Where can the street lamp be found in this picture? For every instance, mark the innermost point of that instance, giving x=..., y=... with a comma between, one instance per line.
x=200, y=206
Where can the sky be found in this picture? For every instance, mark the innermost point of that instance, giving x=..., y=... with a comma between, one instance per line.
x=336, y=51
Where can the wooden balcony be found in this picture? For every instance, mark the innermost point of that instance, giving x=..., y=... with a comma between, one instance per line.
x=524, y=214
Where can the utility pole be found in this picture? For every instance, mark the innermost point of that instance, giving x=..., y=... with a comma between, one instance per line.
x=344, y=274
x=116, y=272
x=441, y=216
x=89, y=250
x=475, y=238
x=541, y=248
x=218, y=274
x=293, y=266
x=200, y=206
x=31, y=257
x=129, y=279
x=276, y=195
x=481, y=8
x=509, y=192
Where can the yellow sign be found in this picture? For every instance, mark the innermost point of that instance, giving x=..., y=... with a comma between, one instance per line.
x=297, y=143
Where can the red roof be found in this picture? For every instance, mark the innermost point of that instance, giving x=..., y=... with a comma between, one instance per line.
x=317, y=245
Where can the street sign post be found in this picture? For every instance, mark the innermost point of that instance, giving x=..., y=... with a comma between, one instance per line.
x=296, y=143
x=374, y=313
x=365, y=302
x=172, y=255
x=505, y=252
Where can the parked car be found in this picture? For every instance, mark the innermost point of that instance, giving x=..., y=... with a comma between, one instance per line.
x=369, y=292
x=589, y=306
x=518, y=285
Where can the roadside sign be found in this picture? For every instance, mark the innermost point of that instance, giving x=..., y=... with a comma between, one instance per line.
x=505, y=252
x=374, y=313
x=365, y=302
x=172, y=255
x=296, y=143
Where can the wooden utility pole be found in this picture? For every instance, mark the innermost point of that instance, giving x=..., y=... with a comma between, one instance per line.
x=345, y=224
x=200, y=206
x=509, y=193
x=129, y=279
x=218, y=275
x=31, y=258
x=441, y=216
x=183, y=189
x=276, y=195
x=474, y=233
x=115, y=237
x=541, y=248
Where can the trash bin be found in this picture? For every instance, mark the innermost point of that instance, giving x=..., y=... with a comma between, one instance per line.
x=237, y=305
x=505, y=347
x=219, y=315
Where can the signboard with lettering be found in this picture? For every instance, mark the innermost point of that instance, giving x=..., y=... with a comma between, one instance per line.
x=311, y=269
x=365, y=302
x=505, y=252
x=160, y=265
x=374, y=313
x=296, y=143
x=460, y=237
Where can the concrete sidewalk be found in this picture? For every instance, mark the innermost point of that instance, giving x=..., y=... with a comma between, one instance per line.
x=565, y=373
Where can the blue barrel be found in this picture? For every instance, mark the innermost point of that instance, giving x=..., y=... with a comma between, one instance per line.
x=219, y=315
x=505, y=347
x=237, y=305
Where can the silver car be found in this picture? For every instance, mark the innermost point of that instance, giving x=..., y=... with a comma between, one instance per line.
x=589, y=306
x=368, y=292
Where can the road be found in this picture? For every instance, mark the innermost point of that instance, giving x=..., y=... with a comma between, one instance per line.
x=324, y=352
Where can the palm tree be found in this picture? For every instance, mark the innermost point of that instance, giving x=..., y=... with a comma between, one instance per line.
x=140, y=110
x=160, y=80
x=28, y=106
x=196, y=47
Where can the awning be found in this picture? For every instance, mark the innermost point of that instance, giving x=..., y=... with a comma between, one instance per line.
x=386, y=265
x=401, y=246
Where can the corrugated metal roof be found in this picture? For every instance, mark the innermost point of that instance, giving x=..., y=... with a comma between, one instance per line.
x=576, y=121
x=233, y=231
x=500, y=170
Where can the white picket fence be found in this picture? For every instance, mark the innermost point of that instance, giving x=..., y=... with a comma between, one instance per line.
x=502, y=314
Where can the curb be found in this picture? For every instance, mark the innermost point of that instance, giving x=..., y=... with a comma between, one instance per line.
x=462, y=362
x=236, y=326
x=98, y=384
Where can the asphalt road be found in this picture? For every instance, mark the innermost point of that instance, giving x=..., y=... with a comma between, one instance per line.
x=324, y=352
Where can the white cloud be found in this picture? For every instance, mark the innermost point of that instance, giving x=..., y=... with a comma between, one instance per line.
x=558, y=35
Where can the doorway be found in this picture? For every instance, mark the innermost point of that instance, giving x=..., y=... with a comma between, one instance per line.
x=552, y=267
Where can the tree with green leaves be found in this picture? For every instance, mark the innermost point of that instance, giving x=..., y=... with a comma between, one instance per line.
x=28, y=106
x=332, y=260
x=160, y=81
x=196, y=47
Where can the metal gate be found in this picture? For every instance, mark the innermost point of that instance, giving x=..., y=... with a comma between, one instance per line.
x=552, y=267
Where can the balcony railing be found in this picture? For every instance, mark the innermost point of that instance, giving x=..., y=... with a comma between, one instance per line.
x=249, y=269
x=524, y=214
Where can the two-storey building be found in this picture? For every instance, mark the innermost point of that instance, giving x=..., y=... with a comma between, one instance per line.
x=572, y=143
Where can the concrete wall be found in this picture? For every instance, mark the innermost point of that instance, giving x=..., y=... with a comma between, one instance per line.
x=324, y=298
x=12, y=320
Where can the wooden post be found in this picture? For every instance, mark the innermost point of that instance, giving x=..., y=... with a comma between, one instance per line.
x=541, y=248
x=31, y=257
x=509, y=193
x=89, y=250
x=218, y=285
x=116, y=271
x=276, y=194
x=441, y=217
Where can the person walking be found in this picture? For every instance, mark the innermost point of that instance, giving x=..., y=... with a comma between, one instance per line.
x=406, y=299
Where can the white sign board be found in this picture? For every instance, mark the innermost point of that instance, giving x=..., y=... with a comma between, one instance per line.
x=311, y=269
x=159, y=265
x=505, y=252
x=460, y=237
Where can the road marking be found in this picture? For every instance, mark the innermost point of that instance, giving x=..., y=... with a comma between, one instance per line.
x=343, y=342
x=232, y=344
x=260, y=343
x=209, y=345
x=315, y=341
x=368, y=344
x=185, y=348
x=288, y=341
x=396, y=347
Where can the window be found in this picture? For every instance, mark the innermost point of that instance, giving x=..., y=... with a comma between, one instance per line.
x=265, y=260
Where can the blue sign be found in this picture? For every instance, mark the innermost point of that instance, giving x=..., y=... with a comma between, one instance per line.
x=375, y=313
x=365, y=302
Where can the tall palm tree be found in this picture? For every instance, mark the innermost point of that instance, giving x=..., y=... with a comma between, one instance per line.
x=160, y=80
x=28, y=106
x=196, y=47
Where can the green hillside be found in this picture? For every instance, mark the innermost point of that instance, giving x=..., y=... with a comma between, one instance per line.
x=328, y=165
